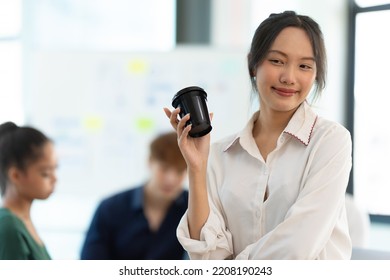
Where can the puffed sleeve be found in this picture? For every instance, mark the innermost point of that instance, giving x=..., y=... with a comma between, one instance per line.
x=215, y=239
x=315, y=226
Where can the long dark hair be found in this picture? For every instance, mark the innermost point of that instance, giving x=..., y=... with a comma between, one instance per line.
x=19, y=146
x=270, y=28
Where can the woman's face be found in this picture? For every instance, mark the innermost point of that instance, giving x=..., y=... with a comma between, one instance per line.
x=286, y=76
x=39, y=178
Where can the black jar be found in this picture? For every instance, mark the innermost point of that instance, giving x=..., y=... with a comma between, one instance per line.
x=192, y=100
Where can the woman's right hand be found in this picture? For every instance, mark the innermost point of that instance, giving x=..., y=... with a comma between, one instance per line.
x=195, y=150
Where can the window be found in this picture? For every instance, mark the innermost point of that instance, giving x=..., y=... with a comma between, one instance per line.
x=10, y=18
x=371, y=98
x=371, y=3
x=10, y=61
x=102, y=25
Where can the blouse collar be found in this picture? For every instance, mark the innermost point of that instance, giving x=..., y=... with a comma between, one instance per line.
x=300, y=127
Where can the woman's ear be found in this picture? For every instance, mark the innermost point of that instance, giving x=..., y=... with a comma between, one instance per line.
x=14, y=175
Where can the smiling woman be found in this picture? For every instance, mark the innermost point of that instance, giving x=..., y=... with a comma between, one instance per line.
x=275, y=190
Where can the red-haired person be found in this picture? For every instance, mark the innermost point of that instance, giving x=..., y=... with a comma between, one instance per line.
x=140, y=223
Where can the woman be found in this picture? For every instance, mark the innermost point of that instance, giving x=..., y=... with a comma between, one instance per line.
x=276, y=189
x=27, y=172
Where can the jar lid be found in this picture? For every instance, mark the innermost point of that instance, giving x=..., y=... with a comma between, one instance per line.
x=185, y=90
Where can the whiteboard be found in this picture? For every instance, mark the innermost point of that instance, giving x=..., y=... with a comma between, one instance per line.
x=103, y=109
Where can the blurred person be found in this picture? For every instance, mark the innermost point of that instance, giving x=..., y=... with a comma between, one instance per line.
x=140, y=223
x=27, y=172
x=276, y=189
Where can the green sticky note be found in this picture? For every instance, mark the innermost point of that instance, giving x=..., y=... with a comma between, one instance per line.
x=145, y=124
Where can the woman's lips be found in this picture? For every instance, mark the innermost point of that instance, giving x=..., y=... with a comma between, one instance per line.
x=286, y=92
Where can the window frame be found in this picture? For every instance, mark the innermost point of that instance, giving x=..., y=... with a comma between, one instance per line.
x=16, y=37
x=353, y=10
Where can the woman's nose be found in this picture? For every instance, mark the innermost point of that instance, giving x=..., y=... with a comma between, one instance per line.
x=288, y=76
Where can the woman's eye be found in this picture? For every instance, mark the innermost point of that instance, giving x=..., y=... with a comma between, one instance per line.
x=305, y=67
x=276, y=61
x=45, y=174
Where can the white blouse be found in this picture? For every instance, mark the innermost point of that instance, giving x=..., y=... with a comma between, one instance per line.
x=303, y=214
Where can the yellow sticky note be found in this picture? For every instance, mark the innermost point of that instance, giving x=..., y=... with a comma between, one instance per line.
x=145, y=124
x=93, y=123
x=138, y=66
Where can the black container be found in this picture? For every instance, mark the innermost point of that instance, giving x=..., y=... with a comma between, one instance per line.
x=193, y=100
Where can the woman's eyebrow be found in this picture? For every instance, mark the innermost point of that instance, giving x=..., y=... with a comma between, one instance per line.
x=285, y=55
